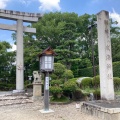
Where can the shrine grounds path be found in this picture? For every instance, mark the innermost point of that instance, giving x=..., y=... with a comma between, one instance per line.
x=30, y=111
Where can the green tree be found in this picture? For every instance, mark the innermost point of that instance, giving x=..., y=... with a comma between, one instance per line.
x=115, y=41
x=6, y=60
x=60, y=31
x=70, y=36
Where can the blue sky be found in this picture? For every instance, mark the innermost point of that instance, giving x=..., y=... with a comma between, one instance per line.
x=42, y=6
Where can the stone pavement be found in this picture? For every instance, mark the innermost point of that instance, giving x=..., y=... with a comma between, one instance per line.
x=21, y=107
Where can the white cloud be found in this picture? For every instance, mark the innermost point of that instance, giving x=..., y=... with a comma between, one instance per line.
x=26, y=2
x=49, y=5
x=3, y=3
x=13, y=47
x=115, y=16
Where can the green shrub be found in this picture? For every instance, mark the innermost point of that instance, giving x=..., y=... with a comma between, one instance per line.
x=96, y=81
x=116, y=69
x=55, y=82
x=78, y=94
x=59, y=69
x=26, y=82
x=69, y=86
x=11, y=86
x=63, y=99
x=6, y=86
x=68, y=74
x=56, y=90
x=116, y=83
x=73, y=79
x=97, y=94
x=29, y=85
x=86, y=83
x=53, y=76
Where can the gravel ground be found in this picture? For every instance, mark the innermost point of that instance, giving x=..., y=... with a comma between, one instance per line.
x=30, y=111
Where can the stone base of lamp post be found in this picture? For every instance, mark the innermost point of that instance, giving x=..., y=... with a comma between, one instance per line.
x=46, y=111
x=37, y=91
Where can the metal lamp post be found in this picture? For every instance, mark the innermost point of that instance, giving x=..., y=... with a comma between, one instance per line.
x=46, y=59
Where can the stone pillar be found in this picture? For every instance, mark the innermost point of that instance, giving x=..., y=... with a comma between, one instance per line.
x=37, y=86
x=105, y=57
x=19, y=58
x=37, y=91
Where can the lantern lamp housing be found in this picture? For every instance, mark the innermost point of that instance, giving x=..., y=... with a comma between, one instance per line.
x=46, y=59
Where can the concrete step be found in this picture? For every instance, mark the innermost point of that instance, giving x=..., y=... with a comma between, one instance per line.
x=12, y=100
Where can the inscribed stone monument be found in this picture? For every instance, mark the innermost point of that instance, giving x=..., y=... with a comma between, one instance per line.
x=105, y=57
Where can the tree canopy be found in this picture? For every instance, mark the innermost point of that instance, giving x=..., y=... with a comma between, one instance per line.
x=69, y=35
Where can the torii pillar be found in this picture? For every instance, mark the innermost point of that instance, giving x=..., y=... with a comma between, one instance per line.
x=20, y=17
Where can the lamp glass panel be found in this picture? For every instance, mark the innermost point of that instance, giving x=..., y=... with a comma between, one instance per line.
x=48, y=61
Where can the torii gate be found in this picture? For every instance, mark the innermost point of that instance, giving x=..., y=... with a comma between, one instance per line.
x=20, y=17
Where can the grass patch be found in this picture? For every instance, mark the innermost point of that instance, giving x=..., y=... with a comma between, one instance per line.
x=88, y=90
x=62, y=99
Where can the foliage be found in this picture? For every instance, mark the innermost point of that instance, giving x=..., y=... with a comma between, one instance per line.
x=53, y=76
x=88, y=90
x=96, y=81
x=69, y=36
x=116, y=69
x=6, y=86
x=55, y=82
x=58, y=84
x=56, y=90
x=88, y=72
x=29, y=85
x=86, y=83
x=69, y=86
x=59, y=69
x=7, y=59
x=116, y=81
x=78, y=94
x=68, y=74
x=63, y=99
x=73, y=79
x=61, y=73
x=97, y=94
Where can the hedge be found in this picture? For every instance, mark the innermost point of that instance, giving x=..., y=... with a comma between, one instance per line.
x=96, y=81
x=86, y=83
x=116, y=69
x=116, y=81
x=88, y=72
x=6, y=86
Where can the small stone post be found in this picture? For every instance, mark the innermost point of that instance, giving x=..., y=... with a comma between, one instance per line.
x=105, y=57
x=37, y=86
